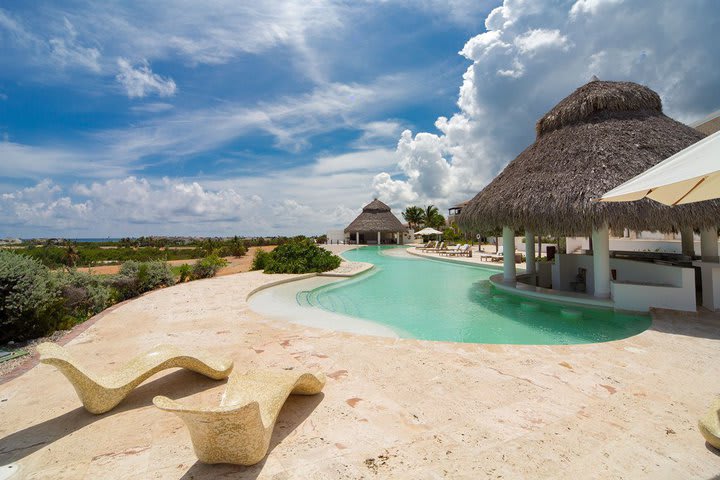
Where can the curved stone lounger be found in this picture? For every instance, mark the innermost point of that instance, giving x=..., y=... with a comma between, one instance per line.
x=100, y=394
x=710, y=425
x=239, y=430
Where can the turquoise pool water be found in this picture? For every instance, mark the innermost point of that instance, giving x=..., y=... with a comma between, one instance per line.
x=435, y=300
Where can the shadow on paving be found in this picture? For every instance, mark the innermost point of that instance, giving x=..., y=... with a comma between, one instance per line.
x=296, y=409
x=705, y=325
x=175, y=385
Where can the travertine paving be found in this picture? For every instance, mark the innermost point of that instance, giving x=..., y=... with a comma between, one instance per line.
x=391, y=408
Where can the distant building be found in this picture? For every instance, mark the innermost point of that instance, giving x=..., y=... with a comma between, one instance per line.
x=454, y=212
x=376, y=225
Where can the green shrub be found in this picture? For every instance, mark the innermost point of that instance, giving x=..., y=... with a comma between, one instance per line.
x=260, y=260
x=298, y=256
x=136, y=278
x=83, y=296
x=30, y=302
x=208, y=266
x=185, y=273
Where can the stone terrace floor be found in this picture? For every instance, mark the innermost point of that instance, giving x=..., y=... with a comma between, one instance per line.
x=392, y=408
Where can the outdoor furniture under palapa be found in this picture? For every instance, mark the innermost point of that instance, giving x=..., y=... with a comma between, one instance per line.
x=239, y=429
x=100, y=394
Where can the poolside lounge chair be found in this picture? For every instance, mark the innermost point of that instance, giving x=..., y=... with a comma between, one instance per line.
x=441, y=247
x=100, y=394
x=493, y=257
x=709, y=425
x=239, y=430
x=463, y=251
x=452, y=250
x=430, y=246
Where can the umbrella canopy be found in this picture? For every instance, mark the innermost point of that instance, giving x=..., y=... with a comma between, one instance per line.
x=691, y=175
x=428, y=231
x=597, y=138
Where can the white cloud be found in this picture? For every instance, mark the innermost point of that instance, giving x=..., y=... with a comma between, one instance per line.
x=67, y=50
x=155, y=107
x=292, y=121
x=139, y=206
x=538, y=39
x=376, y=159
x=378, y=133
x=26, y=161
x=590, y=6
x=534, y=54
x=141, y=81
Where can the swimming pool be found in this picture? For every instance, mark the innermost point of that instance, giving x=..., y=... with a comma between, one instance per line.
x=437, y=300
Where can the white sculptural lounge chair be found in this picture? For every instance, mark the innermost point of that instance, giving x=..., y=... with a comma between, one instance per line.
x=709, y=425
x=239, y=430
x=100, y=394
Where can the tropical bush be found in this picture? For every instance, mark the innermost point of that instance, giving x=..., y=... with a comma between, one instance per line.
x=30, y=302
x=185, y=273
x=83, y=295
x=136, y=278
x=208, y=266
x=260, y=260
x=297, y=256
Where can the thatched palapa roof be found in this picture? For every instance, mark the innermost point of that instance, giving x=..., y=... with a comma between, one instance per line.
x=600, y=136
x=376, y=217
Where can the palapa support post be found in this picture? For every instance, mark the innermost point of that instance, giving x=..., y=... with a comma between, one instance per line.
x=601, y=260
x=529, y=251
x=709, y=245
x=687, y=240
x=509, y=275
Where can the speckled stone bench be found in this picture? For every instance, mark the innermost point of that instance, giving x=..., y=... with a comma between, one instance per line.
x=238, y=431
x=100, y=394
x=710, y=425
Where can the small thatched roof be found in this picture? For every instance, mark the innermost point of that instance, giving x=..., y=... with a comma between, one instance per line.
x=600, y=136
x=376, y=217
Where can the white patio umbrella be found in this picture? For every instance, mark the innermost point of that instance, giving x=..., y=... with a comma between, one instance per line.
x=428, y=231
x=691, y=175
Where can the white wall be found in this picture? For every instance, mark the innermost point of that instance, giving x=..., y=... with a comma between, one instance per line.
x=638, y=285
x=633, y=245
x=336, y=236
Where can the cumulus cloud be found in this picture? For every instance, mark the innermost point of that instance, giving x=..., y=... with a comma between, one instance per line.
x=532, y=55
x=589, y=6
x=539, y=39
x=141, y=81
x=142, y=206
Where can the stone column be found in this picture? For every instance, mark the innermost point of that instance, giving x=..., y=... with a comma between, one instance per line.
x=709, y=245
x=378, y=238
x=357, y=238
x=601, y=261
x=529, y=251
x=687, y=240
x=508, y=255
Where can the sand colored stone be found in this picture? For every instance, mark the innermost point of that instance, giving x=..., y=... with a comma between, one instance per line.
x=391, y=408
x=100, y=394
x=239, y=430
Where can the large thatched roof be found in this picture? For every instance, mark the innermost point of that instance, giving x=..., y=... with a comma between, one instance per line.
x=600, y=136
x=376, y=217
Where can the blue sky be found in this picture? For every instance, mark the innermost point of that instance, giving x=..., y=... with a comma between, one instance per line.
x=227, y=117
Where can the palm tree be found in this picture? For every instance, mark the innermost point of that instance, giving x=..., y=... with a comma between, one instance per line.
x=432, y=217
x=414, y=216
